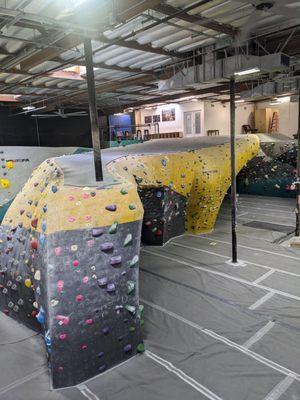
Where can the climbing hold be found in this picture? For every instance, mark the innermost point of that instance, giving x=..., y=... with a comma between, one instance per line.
x=127, y=348
x=57, y=251
x=63, y=336
x=107, y=246
x=123, y=191
x=114, y=227
x=115, y=260
x=75, y=263
x=9, y=165
x=130, y=309
x=5, y=183
x=128, y=240
x=111, y=288
x=37, y=275
x=60, y=286
x=102, y=282
x=130, y=287
x=54, y=189
x=111, y=207
x=96, y=232
x=140, y=348
x=132, y=206
x=79, y=297
x=28, y=283
x=34, y=222
x=134, y=261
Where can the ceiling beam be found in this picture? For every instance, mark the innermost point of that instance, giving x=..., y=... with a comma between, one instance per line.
x=195, y=19
x=128, y=9
x=132, y=44
x=102, y=65
x=68, y=42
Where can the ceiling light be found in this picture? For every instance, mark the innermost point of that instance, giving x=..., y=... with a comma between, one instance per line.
x=28, y=108
x=239, y=101
x=247, y=71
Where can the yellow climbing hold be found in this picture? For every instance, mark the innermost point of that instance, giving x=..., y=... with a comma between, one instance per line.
x=9, y=165
x=27, y=283
x=5, y=183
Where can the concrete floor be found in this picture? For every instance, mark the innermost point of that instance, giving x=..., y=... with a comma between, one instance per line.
x=212, y=330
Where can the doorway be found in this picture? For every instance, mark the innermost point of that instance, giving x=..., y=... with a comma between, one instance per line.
x=192, y=123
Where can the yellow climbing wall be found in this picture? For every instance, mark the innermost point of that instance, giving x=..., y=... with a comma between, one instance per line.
x=203, y=176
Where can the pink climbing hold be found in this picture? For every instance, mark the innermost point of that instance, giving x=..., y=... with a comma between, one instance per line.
x=79, y=297
x=84, y=346
x=75, y=263
x=63, y=336
x=60, y=286
x=89, y=321
x=85, y=279
x=85, y=195
x=57, y=251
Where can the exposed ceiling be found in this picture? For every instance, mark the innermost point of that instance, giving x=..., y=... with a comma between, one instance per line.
x=135, y=43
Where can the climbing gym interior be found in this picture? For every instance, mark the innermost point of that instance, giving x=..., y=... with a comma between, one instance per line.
x=149, y=200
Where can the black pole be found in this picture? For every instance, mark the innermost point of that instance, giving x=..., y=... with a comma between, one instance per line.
x=93, y=109
x=297, y=233
x=233, y=175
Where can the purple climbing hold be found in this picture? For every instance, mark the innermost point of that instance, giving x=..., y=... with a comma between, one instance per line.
x=115, y=260
x=127, y=348
x=111, y=287
x=96, y=232
x=107, y=246
x=105, y=331
x=102, y=368
x=101, y=354
x=111, y=207
x=102, y=281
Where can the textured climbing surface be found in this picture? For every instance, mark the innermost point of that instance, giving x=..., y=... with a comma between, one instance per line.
x=273, y=171
x=17, y=164
x=70, y=246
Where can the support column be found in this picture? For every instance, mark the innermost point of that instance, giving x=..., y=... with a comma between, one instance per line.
x=297, y=232
x=233, y=172
x=93, y=109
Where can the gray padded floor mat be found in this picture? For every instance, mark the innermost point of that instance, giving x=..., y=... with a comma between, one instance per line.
x=212, y=330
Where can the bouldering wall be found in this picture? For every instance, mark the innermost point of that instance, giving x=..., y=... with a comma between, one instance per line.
x=69, y=266
x=197, y=181
x=273, y=171
x=24, y=160
x=69, y=249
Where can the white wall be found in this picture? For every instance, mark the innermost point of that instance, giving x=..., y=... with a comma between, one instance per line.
x=217, y=116
x=288, y=116
x=212, y=117
x=172, y=126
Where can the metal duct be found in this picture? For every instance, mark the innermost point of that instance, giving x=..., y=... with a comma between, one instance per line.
x=213, y=70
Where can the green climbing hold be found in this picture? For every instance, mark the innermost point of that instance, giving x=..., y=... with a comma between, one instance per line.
x=128, y=240
x=134, y=261
x=141, y=310
x=130, y=287
x=142, y=322
x=140, y=348
x=123, y=191
x=132, y=206
x=114, y=227
x=130, y=308
x=132, y=329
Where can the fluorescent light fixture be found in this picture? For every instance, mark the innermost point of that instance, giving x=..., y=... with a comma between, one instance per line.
x=247, y=71
x=120, y=113
x=28, y=108
x=239, y=101
x=285, y=99
x=194, y=99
